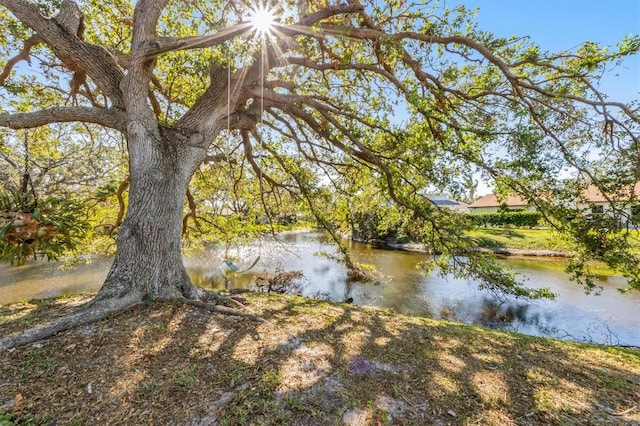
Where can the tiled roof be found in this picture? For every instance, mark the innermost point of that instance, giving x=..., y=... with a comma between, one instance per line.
x=490, y=200
x=594, y=195
x=591, y=195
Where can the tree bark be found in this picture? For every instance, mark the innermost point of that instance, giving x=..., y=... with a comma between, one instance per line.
x=148, y=261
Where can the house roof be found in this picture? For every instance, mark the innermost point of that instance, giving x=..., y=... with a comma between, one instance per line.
x=491, y=200
x=443, y=200
x=594, y=195
x=591, y=195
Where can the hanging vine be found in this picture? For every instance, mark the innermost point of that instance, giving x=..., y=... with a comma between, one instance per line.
x=26, y=172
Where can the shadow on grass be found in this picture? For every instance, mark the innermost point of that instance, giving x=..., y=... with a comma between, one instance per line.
x=486, y=240
x=311, y=363
x=19, y=316
x=506, y=233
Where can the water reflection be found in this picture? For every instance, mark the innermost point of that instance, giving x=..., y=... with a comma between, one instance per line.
x=610, y=318
x=40, y=280
x=493, y=312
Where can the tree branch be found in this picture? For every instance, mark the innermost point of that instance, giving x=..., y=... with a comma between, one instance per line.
x=170, y=44
x=22, y=56
x=74, y=53
x=122, y=207
x=145, y=21
x=26, y=120
x=328, y=12
x=505, y=68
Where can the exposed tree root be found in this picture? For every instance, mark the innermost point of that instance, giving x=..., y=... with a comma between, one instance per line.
x=205, y=295
x=95, y=310
x=89, y=313
x=222, y=309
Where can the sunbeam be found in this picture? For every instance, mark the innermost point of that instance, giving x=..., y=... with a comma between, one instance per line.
x=262, y=19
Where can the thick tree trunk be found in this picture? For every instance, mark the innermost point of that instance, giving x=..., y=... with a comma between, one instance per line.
x=148, y=261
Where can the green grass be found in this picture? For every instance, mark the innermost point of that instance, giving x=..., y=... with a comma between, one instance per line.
x=532, y=239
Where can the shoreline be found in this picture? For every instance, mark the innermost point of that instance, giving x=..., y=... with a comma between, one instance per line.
x=499, y=251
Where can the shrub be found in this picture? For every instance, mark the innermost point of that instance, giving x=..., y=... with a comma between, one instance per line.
x=515, y=219
x=47, y=227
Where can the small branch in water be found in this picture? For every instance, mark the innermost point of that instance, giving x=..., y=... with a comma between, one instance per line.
x=280, y=282
x=361, y=272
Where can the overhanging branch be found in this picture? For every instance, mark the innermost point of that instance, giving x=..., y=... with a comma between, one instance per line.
x=22, y=56
x=60, y=33
x=169, y=44
x=26, y=120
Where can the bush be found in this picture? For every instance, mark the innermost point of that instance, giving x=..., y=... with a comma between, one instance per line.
x=367, y=226
x=515, y=219
x=47, y=227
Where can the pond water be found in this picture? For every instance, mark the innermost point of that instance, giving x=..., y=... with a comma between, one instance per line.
x=610, y=318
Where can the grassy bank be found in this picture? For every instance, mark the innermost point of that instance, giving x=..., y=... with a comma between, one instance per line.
x=311, y=363
x=522, y=239
x=530, y=239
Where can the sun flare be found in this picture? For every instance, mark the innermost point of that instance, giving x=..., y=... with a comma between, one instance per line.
x=262, y=19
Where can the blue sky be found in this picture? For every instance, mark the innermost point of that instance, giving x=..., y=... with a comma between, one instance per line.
x=564, y=24
x=558, y=25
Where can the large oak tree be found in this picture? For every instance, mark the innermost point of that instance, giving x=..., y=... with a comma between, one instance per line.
x=409, y=94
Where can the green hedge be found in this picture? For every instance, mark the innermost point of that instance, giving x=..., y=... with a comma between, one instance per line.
x=516, y=219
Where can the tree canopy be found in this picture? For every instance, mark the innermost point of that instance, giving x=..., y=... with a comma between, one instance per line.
x=399, y=96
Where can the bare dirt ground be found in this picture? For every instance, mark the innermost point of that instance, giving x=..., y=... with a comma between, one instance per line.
x=311, y=363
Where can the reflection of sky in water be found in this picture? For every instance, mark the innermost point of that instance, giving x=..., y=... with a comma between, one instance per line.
x=609, y=318
x=40, y=280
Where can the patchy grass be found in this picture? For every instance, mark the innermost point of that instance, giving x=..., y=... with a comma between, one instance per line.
x=311, y=363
